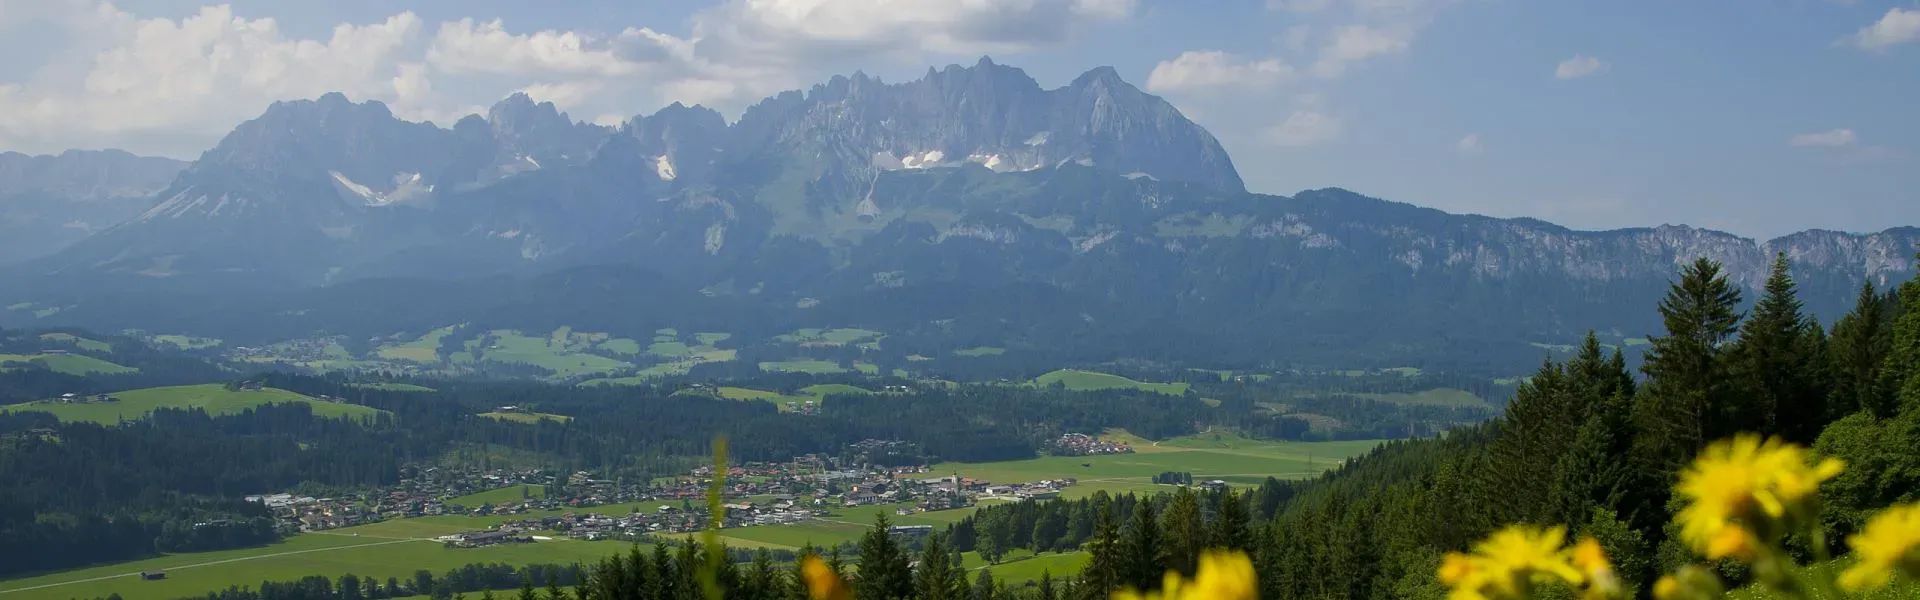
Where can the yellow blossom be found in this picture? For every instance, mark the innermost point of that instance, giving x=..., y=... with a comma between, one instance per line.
x=1889, y=544
x=1222, y=575
x=1591, y=560
x=822, y=582
x=1738, y=486
x=1512, y=560
x=1667, y=588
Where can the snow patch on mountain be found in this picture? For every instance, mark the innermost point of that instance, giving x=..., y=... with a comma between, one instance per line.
x=663, y=167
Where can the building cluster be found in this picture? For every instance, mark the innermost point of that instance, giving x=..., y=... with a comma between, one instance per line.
x=1080, y=444
x=756, y=493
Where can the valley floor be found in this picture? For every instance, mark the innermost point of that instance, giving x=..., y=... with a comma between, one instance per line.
x=398, y=548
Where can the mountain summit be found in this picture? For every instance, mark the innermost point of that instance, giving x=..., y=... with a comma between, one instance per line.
x=970, y=199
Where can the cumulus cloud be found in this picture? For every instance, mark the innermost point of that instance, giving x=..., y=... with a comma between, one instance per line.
x=1305, y=128
x=1898, y=26
x=174, y=82
x=1355, y=43
x=797, y=30
x=1468, y=144
x=1832, y=138
x=1205, y=70
x=1579, y=66
x=174, y=85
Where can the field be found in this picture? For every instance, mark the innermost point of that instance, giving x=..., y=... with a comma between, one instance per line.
x=70, y=364
x=398, y=548
x=1081, y=381
x=1231, y=458
x=559, y=352
x=801, y=365
x=186, y=342
x=213, y=398
x=679, y=355
x=424, y=350
x=528, y=418
x=78, y=342
x=830, y=337
x=816, y=393
x=1433, y=397
x=393, y=387
x=980, y=351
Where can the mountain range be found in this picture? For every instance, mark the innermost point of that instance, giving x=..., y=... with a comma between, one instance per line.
x=970, y=204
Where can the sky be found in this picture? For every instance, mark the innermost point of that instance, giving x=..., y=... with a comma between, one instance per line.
x=1758, y=118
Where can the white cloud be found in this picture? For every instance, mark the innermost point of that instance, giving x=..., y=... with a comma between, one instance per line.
x=1579, y=66
x=1469, y=144
x=1898, y=26
x=1832, y=138
x=1204, y=70
x=1305, y=128
x=174, y=85
x=465, y=46
x=1356, y=43
x=786, y=31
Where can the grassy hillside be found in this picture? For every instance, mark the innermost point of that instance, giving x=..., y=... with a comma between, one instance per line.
x=528, y=418
x=70, y=364
x=213, y=398
x=1081, y=381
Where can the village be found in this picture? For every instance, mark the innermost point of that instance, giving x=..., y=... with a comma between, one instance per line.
x=757, y=493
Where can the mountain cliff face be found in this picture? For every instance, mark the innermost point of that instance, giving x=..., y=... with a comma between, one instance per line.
x=970, y=201
x=50, y=202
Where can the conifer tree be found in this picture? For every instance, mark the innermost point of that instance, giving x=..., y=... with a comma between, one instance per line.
x=1229, y=529
x=883, y=566
x=1103, y=570
x=1046, y=591
x=526, y=588
x=797, y=588
x=661, y=576
x=1142, y=558
x=1857, y=352
x=1688, y=399
x=935, y=578
x=761, y=580
x=1901, y=375
x=1775, y=365
x=983, y=586
x=1185, y=533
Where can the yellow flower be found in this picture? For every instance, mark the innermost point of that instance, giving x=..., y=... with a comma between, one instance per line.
x=1508, y=563
x=1667, y=588
x=1222, y=575
x=822, y=582
x=1744, y=484
x=1890, y=543
x=1591, y=560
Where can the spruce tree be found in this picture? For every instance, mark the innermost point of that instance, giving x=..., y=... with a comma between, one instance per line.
x=1142, y=558
x=1688, y=398
x=1901, y=375
x=526, y=588
x=1102, y=573
x=1775, y=365
x=1185, y=532
x=883, y=565
x=1046, y=591
x=761, y=582
x=1229, y=529
x=983, y=586
x=1540, y=422
x=1856, y=354
x=935, y=578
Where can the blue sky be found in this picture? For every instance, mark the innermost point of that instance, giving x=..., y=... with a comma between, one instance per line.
x=1758, y=118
